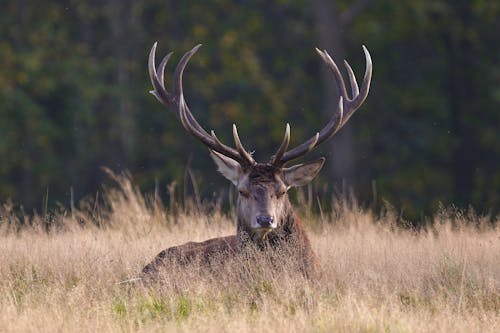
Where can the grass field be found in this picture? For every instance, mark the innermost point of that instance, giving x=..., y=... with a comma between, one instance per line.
x=376, y=276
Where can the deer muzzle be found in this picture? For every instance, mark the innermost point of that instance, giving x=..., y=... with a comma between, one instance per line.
x=265, y=221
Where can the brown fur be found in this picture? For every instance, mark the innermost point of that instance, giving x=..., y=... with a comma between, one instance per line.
x=193, y=251
x=290, y=236
x=263, y=172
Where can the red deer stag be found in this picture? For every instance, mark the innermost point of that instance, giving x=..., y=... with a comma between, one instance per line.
x=265, y=215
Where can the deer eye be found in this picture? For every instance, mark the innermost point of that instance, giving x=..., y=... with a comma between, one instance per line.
x=244, y=193
x=280, y=193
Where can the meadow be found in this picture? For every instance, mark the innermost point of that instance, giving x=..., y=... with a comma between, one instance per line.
x=376, y=275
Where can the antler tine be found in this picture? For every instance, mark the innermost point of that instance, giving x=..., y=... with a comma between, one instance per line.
x=176, y=102
x=158, y=87
x=160, y=72
x=179, y=92
x=283, y=147
x=339, y=118
x=365, y=86
x=353, y=104
x=243, y=153
x=157, y=79
x=352, y=80
x=333, y=125
x=179, y=70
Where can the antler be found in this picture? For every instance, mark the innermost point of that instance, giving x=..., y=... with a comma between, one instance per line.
x=345, y=109
x=176, y=102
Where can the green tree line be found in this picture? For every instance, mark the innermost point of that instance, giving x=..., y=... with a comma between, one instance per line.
x=74, y=94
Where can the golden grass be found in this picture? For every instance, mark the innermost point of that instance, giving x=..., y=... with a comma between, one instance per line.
x=376, y=277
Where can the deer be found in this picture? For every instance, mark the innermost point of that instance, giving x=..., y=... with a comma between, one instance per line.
x=265, y=217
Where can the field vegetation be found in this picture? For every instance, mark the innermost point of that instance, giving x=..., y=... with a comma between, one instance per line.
x=62, y=273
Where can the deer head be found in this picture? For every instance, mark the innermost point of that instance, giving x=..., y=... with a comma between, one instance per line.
x=263, y=204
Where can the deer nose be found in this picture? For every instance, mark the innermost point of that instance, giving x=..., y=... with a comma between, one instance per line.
x=264, y=221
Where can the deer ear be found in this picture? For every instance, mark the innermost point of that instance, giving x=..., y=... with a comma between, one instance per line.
x=228, y=167
x=301, y=174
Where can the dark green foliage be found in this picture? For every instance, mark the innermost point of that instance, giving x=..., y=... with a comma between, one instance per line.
x=73, y=94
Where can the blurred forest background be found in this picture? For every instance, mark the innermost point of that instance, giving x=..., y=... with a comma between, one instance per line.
x=74, y=95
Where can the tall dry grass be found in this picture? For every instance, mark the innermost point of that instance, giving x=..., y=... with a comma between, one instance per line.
x=376, y=276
